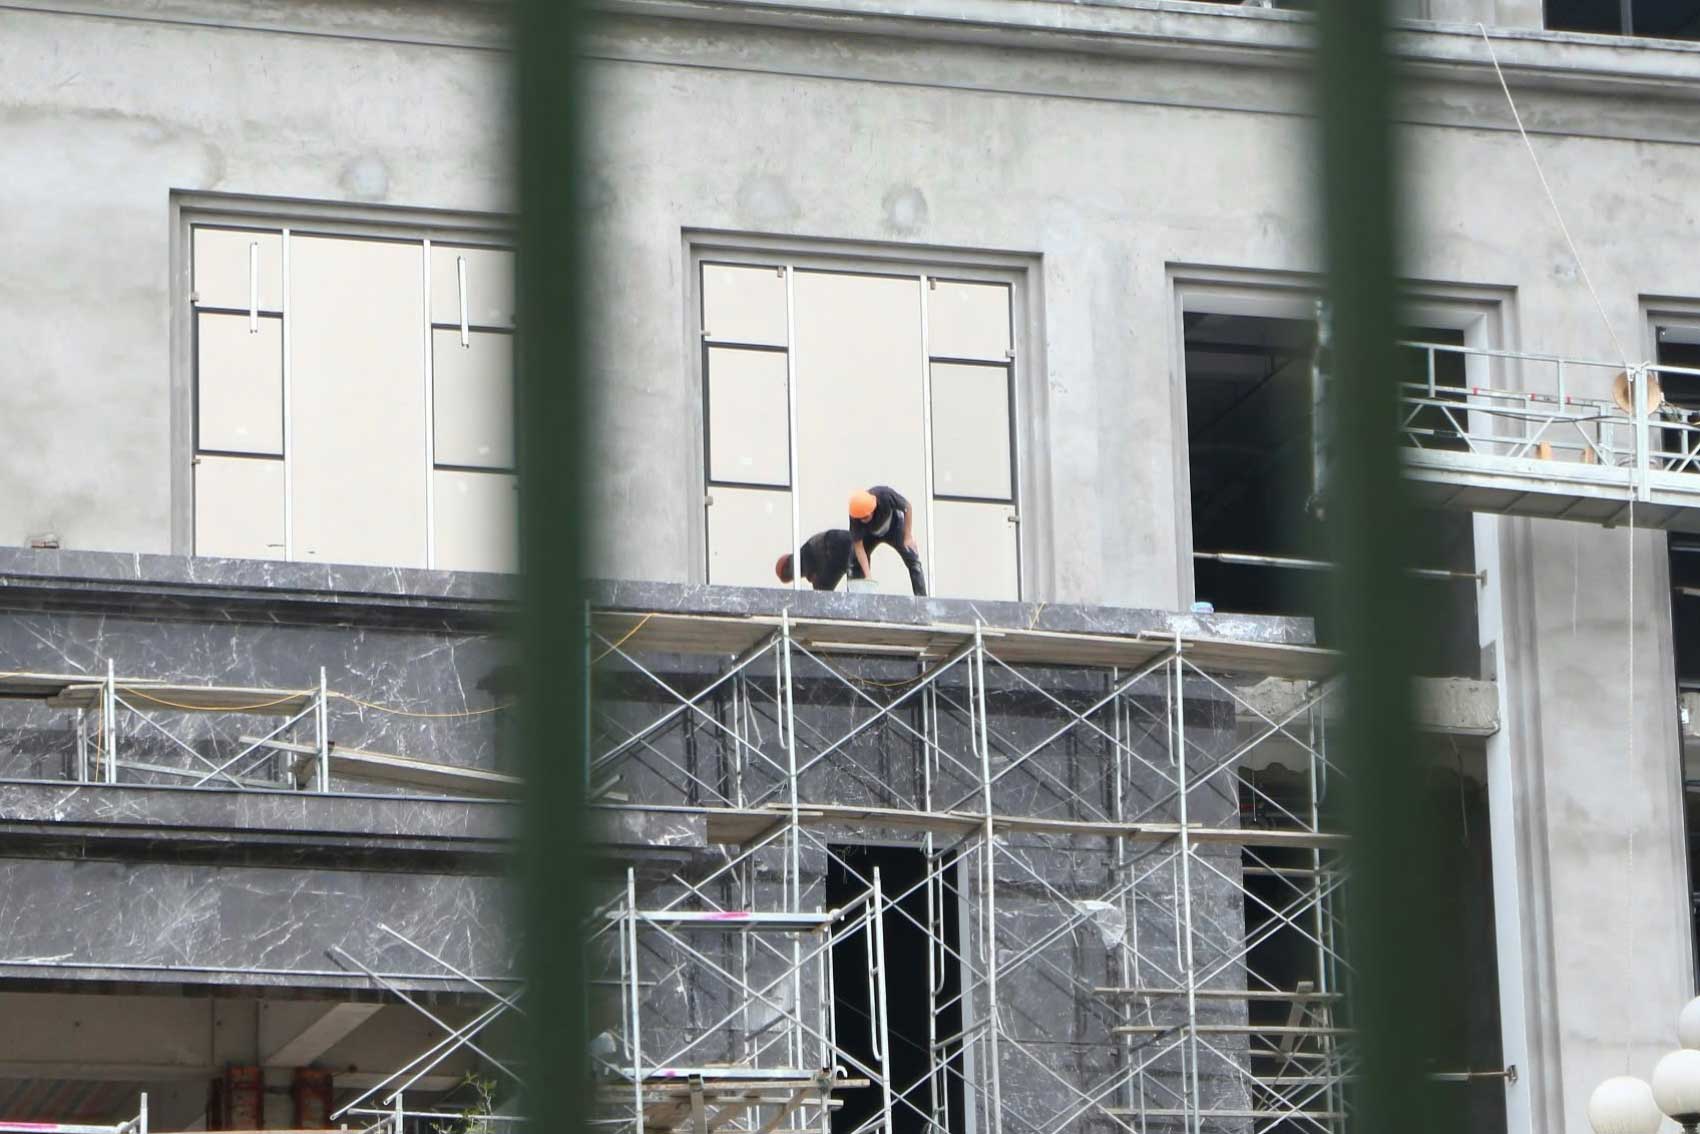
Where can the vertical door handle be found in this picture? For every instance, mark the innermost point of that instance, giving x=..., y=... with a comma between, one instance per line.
x=460, y=276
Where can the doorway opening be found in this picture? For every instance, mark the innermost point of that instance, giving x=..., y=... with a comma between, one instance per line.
x=923, y=987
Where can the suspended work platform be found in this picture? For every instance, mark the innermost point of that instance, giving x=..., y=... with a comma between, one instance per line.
x=1552, y=438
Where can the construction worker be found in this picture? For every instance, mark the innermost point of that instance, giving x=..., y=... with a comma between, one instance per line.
x=881, y=515
x=826, y=560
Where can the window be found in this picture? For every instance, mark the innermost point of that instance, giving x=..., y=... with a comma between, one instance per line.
x=1258, y=546
x=819, y=381
x=1662, y=19
x=353, y=399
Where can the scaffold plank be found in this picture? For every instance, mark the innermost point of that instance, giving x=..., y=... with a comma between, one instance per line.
x=1220, y=994
x=730, y=825
x=669, y=632
x=1159, y=1112
x=1299, y=1030
x=386, y=768
x=187, y=698
x=35, y=686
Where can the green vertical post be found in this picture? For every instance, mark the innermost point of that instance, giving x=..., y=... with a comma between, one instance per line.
x=555, y=525
x=1390, y=901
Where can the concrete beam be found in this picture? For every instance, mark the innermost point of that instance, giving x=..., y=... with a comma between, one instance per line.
x=324, y=1032
x=1451, y=706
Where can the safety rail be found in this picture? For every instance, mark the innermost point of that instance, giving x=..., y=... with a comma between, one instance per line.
x=276, y=739
x=1516, y=438
x=136, y=1125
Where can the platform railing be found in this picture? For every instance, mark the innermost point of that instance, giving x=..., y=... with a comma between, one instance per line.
x=1574, y=416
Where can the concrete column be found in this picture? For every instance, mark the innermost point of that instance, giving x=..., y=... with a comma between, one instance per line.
x=1593, y=770
x=1514, y=13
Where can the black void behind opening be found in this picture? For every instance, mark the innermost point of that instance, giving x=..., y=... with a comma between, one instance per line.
x=1659, y=19
x=1680, y=346
x=1249, y=454
x=1284, y=930
x=849, y=873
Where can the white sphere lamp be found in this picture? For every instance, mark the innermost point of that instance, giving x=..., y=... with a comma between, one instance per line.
x=1624, y=1105
x=1676, y=1087
x=1688, y=1024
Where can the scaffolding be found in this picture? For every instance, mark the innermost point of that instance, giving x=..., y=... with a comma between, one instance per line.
x=113, y=715
x=384, y=1107
x=1120, y=915
x=1124, y=859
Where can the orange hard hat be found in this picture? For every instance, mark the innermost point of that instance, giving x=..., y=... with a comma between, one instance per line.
x=862, y=504
x=782, y=568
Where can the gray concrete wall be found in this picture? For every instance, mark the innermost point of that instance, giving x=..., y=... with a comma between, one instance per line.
x=106, y=117
x=1113, y=171
x=1110, y=142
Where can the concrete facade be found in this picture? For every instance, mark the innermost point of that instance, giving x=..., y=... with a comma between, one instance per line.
x=1128, y=157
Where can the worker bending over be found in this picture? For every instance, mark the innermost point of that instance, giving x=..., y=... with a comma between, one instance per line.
x=826, y=559
x=881, y=515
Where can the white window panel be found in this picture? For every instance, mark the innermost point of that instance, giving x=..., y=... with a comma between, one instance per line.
x=975, y=554
x=748, y=530
x=743, y=305
x=473, y=399
x=971, y=431
x=222, y=268
x=489, y=285
x=357, y=401
x=239, y=507
x=476, y=521
x=859, y=393
x=748, y=420
x=239, y=384
x=968, y=320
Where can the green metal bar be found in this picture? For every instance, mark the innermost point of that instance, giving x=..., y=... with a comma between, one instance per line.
x=1391, y=903
x=554, y=526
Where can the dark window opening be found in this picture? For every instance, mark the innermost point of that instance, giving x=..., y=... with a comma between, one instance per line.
x=909, y=1000
x=1249, y=437
x=1658, y=19
x=1290, y=958
x=1680, y=346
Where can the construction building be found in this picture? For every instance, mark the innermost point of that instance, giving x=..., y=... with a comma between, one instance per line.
x=1054, y=849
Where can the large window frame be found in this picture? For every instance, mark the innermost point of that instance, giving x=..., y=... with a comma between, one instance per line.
x=1025, y=410
x=1483, y=314
x=298, y=218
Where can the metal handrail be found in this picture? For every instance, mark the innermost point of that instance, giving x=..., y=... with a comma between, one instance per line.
x=1498, y=422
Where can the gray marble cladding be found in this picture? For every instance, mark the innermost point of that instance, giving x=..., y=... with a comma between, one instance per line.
x=413, y=671
x=36, y=820
x=237, y=589
x=63, y=919
x=149, y=880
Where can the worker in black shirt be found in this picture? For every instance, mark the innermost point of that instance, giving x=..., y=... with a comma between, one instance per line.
x=881, y=515
x=826, y=560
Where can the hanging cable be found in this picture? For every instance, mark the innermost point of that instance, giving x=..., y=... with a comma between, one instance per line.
x=1551, y=199
x=1636, y=411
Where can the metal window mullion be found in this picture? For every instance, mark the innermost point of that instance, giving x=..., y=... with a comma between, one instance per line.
x=430, y=412
x=792, y=425
x=288, y=425
x=927, y=431
x=1013, y=394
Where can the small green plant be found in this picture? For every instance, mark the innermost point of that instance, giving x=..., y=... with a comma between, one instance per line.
x=475, y=1117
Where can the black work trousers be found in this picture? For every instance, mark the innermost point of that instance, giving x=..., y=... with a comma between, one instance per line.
x=893, y=538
